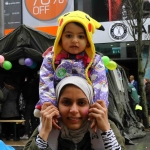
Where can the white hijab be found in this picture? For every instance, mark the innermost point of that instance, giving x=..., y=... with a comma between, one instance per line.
x=79, y=82
x=75, y=135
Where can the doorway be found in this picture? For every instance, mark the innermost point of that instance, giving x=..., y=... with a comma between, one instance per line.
x=130, y=65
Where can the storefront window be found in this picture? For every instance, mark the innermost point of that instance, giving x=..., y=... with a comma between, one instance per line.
x=109, y=49
x=117, y=50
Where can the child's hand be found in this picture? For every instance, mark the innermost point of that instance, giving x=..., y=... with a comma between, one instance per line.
x=55, y=125
x=93, y=124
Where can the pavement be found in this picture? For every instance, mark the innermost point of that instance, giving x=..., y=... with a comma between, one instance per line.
x=18, y=145
x=141, y=143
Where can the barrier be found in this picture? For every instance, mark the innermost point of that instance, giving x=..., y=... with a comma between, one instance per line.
x=15, y=122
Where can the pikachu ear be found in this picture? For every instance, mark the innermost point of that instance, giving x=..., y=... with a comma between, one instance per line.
x=97, y=25
x=101, y=28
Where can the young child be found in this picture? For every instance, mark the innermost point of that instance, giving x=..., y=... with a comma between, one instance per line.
x=73, y=54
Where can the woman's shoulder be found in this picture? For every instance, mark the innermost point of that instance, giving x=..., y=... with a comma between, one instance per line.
x=31, y=142
x=5, y=89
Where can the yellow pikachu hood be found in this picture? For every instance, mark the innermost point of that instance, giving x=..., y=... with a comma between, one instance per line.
x=89, y=24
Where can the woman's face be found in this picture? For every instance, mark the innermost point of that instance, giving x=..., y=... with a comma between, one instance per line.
x=73, y=106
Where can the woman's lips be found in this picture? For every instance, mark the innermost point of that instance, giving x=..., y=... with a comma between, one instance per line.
x=74, y=119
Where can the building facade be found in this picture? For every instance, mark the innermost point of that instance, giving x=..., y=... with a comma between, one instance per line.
x=115, y=41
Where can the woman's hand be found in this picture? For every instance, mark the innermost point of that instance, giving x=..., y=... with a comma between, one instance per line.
x=98, y=111
x=49, y=115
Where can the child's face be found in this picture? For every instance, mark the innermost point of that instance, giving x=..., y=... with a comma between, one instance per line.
x=73, y=107
x=74, y=39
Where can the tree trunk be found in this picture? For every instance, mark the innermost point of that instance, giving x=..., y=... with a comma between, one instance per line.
x=143, y=95
x=141, y=73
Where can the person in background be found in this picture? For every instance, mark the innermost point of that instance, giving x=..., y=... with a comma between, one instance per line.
x=73, y=115
x=133, y=82
x=135, y=102
x=147, y=91
x=9, y=107
x=1, y=95
x=31, y=95
x=1, y=99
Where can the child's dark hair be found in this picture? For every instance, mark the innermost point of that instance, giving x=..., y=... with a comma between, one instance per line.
x=78, y=24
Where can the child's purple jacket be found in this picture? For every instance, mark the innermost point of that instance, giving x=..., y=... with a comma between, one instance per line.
x=69, y=67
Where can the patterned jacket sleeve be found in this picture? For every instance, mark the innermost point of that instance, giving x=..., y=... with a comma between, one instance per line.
x=46, y=86
x=110, y=141
x=99, y=80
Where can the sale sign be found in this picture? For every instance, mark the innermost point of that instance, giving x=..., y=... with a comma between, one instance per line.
x=39, y=14
x=45, y=9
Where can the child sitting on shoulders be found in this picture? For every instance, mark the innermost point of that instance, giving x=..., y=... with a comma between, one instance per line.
x=73, y=54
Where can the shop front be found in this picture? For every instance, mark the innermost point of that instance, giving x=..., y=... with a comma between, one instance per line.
x=117, y=43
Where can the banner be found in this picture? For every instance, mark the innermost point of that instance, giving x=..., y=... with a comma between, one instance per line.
x=12, y=15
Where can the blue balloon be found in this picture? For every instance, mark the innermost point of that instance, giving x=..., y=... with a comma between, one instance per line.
x=106, y=70
x=33, y=65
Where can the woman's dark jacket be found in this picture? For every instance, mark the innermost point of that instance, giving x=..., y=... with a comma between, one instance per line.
x=62, y=144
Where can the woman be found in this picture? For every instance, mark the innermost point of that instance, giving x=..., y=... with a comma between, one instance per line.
x=74, y=115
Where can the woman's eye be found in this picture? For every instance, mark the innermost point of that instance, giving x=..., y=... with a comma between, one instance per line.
x=66, y=102
x=81, y=103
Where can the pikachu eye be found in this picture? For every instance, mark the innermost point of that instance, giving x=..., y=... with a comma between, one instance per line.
x=66, y=14
x=87, y=17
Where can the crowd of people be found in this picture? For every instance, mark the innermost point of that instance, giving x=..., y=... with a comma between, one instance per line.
x=136, y=95
x=10, y=107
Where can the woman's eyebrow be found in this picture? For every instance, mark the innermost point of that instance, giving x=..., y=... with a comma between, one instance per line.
x=84, y=98
x=65, y=98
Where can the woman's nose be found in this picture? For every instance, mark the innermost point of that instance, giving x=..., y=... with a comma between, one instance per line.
x=74, y=108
